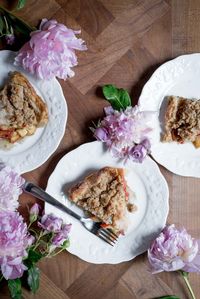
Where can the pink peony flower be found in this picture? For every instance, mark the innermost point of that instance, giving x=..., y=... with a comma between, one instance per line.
x=121, y=131
x=119, y=127
x=14, y=240
x=174, y=249
x=10, y=188
x=12, y=268
x=51, y=51
x=51, y=223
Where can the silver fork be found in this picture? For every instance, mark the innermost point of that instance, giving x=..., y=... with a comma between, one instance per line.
x=94, y=227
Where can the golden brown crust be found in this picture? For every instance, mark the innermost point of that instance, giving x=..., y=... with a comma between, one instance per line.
x=170, y=117
x=21, y=109
x=40, y=107
x=182, y=120
x=103, y=193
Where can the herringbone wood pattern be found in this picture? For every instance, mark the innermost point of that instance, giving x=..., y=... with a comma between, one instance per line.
x=127, y=40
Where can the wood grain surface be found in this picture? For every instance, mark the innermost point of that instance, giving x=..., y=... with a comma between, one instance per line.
x=127, y=40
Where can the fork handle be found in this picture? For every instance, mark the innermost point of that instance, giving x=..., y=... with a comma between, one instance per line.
x=38, y=192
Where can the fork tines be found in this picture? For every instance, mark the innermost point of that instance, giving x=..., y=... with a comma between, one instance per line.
x=108, y=236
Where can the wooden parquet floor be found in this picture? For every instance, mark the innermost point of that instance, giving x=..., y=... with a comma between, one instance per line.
x=127, y=40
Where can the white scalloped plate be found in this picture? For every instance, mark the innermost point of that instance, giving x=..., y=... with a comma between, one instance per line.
x=180, y=77
x=34, y=150
x=151, y=198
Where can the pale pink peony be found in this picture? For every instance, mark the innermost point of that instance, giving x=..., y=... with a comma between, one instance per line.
x=51, y=51
x=14, y=240
x=10, y=188
x=174, y=249
x=12, y=268
x=124, y=132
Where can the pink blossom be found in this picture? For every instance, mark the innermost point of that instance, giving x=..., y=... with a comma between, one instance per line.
x=174, y=249
x=119, y=127
x=125, y=132
x=10, y=188
x=51, y=223
x=12, y=268
x=61, y=236
x=51, y=51
x=34, y=210
x=138, y=153
x=14, y=240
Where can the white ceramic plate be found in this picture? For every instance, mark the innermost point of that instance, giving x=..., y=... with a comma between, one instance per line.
x=179, y=77
x=33, y=151
x=151, y=198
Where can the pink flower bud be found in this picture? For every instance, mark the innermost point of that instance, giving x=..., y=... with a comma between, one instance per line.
x=34, y=210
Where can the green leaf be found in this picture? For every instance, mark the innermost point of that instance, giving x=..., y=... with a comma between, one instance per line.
x=1, y=25
x=33, y=278
x=118, y=98
x=167, y=297
x=19, y=25
x=124, y=97
x=15, y=288
x=34, y=256
x=20, y=4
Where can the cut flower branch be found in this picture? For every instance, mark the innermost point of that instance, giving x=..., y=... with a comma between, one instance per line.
x=22, y=245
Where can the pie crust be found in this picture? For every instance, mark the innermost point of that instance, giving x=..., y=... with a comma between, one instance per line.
x=21, y=109
x=182, y=121
x=104, y=194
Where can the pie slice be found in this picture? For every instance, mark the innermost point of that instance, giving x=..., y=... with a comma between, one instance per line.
x=104, y=194
x=182, y=120
x=21, y=109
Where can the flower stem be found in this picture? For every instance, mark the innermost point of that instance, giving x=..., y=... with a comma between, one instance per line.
x=38, y=240
x=30, y=223
x=57, y=252
x=1, y=278
x=185, y=277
